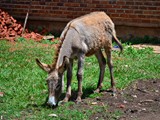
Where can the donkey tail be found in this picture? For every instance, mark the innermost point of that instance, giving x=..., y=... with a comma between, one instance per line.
x=118, y=42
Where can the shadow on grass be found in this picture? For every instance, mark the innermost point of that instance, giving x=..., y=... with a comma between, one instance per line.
x=142, y=40
x=86, y=93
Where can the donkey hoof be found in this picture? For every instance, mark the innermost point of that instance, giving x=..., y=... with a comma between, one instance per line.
x=78, y=101
x=97, y=91
x=62, y=102
x=114, y=94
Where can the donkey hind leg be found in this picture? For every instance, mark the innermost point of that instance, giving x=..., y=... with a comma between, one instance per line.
x=102, y=65
x=80, y=77
x=110, y=65
x=69, y=78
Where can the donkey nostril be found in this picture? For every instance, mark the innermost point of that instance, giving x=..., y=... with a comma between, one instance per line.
x=50, y=104
x=52, y=101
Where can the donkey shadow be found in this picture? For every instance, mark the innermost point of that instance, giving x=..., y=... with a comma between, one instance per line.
x=86, y=93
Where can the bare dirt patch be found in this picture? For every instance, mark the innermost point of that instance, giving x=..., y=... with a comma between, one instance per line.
x=139, y=101
x=142, y=100
x=156, y=48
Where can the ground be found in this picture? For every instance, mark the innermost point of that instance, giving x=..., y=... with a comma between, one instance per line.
x=139, y=101
x=156, y=48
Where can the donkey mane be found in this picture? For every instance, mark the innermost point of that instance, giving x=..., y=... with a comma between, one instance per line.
x=59, y=47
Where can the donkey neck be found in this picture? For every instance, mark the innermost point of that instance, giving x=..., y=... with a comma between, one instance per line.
x=65, y=48
x=65, y=51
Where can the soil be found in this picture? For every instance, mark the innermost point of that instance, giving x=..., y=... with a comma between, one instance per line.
x=156, y=48
x=139, y=101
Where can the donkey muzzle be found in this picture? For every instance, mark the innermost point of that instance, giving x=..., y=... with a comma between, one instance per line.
x=52, y=101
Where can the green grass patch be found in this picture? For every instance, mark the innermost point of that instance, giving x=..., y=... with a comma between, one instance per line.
x=24, y=85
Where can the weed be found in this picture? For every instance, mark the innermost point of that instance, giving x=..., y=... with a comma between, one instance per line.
x=50, y=42
x=20, y=39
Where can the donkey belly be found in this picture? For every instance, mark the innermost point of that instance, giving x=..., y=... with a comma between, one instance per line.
x=95, y=44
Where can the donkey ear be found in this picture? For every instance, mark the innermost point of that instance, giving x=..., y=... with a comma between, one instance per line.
x=43, y=66
x=64, y=65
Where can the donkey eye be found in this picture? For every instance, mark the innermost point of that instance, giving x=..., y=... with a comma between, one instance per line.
x=58, y=86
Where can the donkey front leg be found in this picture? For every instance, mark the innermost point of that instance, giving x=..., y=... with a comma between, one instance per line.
x=80, y=77
x=102, y=65
x=69, y=78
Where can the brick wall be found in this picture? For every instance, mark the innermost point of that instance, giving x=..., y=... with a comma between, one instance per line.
x=134, y=13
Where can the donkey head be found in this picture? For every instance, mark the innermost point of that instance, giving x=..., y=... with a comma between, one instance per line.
x=54, y=80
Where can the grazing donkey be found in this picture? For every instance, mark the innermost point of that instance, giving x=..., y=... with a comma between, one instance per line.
x=83, y=36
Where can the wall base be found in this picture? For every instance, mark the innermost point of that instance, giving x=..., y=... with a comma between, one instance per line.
x=124, y=32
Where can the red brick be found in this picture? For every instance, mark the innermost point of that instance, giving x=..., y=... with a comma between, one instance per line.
x=152, y=8
x=143, y=16
x=130, y=3
x=99, y=5
x=148, y=3
x=121, y=2
x=95, y=1
x=115, y=15
x=135, y=20
x=129, y=11
x=86, y=9
x=155, y=21
x=142, y=7
x=83, y=5
x=139, y=3
x=72, y=4
x=146, y=20
x=125, y=7
x=78, y=9
x=60, y=4
x=138, y=11
x=116, y=6
x=133, y=16
x=108, y=6
x=124, y=15
x=134, y=7
x=104, y=2
x=147, y=12
x=120, y=11
x=112, y=10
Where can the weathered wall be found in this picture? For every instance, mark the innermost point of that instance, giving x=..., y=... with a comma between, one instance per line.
x=137, y=17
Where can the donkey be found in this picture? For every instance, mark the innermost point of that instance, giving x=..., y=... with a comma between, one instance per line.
x=83, y=36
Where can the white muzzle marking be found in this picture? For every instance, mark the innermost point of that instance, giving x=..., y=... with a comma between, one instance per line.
x=52, y=101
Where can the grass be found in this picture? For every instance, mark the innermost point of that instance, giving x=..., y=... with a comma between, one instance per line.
x=24, y=85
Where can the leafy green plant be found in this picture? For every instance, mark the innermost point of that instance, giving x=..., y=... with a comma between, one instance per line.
x=20, y=39
x=50, y=42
